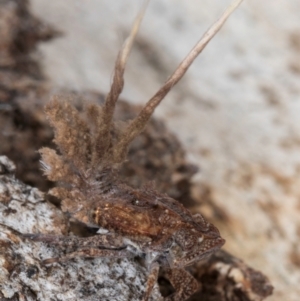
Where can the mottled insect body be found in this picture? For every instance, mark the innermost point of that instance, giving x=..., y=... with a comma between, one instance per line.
x=151, y=222
x=131, y=222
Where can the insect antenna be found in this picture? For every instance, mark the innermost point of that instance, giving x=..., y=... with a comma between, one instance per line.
x=136, y=126
x=103, y=137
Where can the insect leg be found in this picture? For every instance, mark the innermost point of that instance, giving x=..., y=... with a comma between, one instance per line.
x=103, y=138
x=137, y=125
x=91, y=253
x=152, y=279
x=97, y=241
x=184, y=284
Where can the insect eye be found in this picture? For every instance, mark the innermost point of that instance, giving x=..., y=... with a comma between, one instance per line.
x=142, y=203
x=136, y=202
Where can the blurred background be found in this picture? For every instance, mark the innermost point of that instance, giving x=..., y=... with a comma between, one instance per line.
x=236, y=111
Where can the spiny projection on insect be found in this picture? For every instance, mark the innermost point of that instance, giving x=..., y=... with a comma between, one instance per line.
x=132, y=222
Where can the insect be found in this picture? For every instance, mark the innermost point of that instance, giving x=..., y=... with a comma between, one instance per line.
x=131, y=222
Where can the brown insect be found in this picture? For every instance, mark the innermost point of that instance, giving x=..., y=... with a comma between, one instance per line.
x=131, y=222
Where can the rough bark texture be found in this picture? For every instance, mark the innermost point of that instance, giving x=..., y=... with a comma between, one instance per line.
x=156, y=154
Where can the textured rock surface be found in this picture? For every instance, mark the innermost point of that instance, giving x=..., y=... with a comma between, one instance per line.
x=237, y=110
x=22, y=274
x=23, y=209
